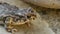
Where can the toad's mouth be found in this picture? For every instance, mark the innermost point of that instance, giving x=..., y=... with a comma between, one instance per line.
x=19, y=20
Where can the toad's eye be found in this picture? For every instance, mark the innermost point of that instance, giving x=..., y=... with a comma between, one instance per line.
x=8, y=18
x=28, y=17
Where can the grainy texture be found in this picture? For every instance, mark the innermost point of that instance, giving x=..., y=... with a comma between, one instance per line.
x=53, y=19
x=39, y=26
x=45, y=3
x=51, y=16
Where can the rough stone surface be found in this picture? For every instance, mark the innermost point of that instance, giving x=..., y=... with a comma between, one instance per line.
x=52, y=17
x=45, y=3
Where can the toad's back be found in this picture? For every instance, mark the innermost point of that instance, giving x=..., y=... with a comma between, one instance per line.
x=6, y=9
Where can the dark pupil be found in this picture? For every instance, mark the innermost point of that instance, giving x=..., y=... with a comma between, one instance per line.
x=28, y=17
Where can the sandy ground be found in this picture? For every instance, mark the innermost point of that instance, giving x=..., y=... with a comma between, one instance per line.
x=42, y=25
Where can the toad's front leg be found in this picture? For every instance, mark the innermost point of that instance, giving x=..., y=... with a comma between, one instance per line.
x=8, y=24
x=10, y=28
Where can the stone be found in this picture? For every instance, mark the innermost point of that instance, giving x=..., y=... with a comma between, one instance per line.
x=45, y=3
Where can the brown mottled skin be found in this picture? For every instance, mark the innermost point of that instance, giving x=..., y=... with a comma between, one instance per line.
x=13, y=16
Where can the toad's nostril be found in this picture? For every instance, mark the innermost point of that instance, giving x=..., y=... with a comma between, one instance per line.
x=33, y=18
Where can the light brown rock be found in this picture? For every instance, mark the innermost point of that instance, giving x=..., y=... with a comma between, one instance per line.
x=45, y=3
